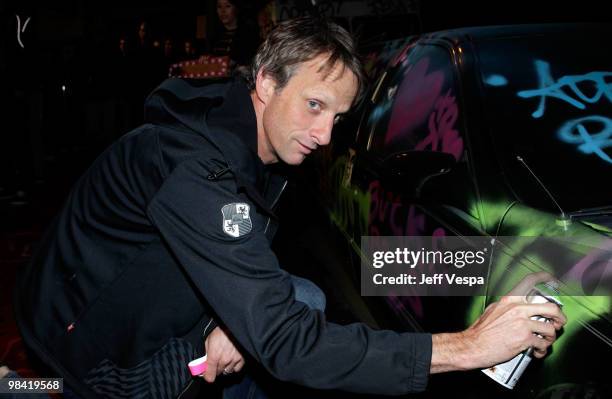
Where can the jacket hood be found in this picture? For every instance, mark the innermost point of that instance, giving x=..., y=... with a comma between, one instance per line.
x=183, y=104
x=223, y=113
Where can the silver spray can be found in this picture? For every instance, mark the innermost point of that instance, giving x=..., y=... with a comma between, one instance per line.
x=508, y=373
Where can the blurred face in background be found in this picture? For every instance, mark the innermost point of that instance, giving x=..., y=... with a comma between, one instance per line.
x=123, y=45
x=227, y=14
x=168, y=47
x=265, y=23
x=189, y=49
x=142, y=31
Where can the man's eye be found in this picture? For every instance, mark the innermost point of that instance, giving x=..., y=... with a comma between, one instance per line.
x=314, y=105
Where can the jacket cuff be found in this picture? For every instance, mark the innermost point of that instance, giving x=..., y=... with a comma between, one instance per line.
x=209, y=327
x=422, y=361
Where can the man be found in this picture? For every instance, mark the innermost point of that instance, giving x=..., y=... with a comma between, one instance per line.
x=168, y=234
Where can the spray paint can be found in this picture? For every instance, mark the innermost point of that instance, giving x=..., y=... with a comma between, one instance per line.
x=508, y=373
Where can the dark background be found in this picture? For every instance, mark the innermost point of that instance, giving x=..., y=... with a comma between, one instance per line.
x=74, y=44
x=66, y=96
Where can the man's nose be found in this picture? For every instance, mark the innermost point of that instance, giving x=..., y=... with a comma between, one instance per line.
x=321, y=133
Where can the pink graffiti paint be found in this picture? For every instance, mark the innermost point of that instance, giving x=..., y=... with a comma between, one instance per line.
x=415, y=222
x=401, y=56
x=386, y=210
x=414, y=100
x=375, y=191
x=588, y=270
x=414, y=303
x=442, y=133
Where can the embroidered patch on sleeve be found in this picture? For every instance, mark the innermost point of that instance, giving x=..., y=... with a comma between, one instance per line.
x=236, y=219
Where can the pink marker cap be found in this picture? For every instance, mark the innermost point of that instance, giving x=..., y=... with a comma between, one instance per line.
x=198, y=366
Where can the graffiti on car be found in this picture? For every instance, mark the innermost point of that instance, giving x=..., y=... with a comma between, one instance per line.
x=580, y=308
x=442, y=133
x=576, y=131
x=577, y=91
x=575, y=83
x=414, y=99
x=351, y=207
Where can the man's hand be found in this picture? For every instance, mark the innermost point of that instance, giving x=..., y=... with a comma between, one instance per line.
x=506, y=328
x=222, y=355
x=502, y=331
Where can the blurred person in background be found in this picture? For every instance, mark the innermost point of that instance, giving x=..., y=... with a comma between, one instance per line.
x=189, y=50
x=236, y=36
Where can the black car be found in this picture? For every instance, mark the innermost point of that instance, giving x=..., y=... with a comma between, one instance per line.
x=491, y=132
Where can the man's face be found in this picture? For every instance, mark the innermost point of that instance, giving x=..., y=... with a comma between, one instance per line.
x=299, y=117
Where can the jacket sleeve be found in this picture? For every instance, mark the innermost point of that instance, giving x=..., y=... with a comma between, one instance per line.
x=242, y=281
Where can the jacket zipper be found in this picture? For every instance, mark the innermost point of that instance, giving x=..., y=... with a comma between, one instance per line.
x=185, y=389
x=278, y=195
x=274, y=204
x=191, y=382
x=216, y=175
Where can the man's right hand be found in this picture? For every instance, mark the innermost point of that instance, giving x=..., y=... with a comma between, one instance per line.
x=502, y=331
x=506, y=329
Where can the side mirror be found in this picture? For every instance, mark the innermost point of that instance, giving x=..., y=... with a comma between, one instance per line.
x=408, y=171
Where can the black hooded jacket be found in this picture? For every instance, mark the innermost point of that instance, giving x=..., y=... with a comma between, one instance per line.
x=173, y=224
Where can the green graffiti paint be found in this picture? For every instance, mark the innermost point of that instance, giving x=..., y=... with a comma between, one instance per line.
x=581, y=310
x=351, y=209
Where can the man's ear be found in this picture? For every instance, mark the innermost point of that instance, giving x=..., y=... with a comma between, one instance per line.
x=265, y=86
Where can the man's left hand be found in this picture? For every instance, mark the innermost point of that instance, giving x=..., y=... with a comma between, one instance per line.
x=222, y=355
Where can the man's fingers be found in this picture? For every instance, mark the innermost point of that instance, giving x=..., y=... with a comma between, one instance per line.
x=544, y=335
x=512, y=299
x=226, y=367
x=548, y=310
x=234, y=365
x=211, y=372
x=540, y=346
x=223, y=357
x=238, y=366
x=559, y=323
x=545, y=330
x=539, y=353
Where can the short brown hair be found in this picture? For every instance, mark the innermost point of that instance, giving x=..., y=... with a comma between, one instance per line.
x=299, y=40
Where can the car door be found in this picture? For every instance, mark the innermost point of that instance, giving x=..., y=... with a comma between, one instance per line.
x=414, y=108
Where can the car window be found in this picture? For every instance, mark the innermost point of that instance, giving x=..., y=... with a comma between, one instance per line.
x=548, y=99
x=417, y=108
x=377, y=57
